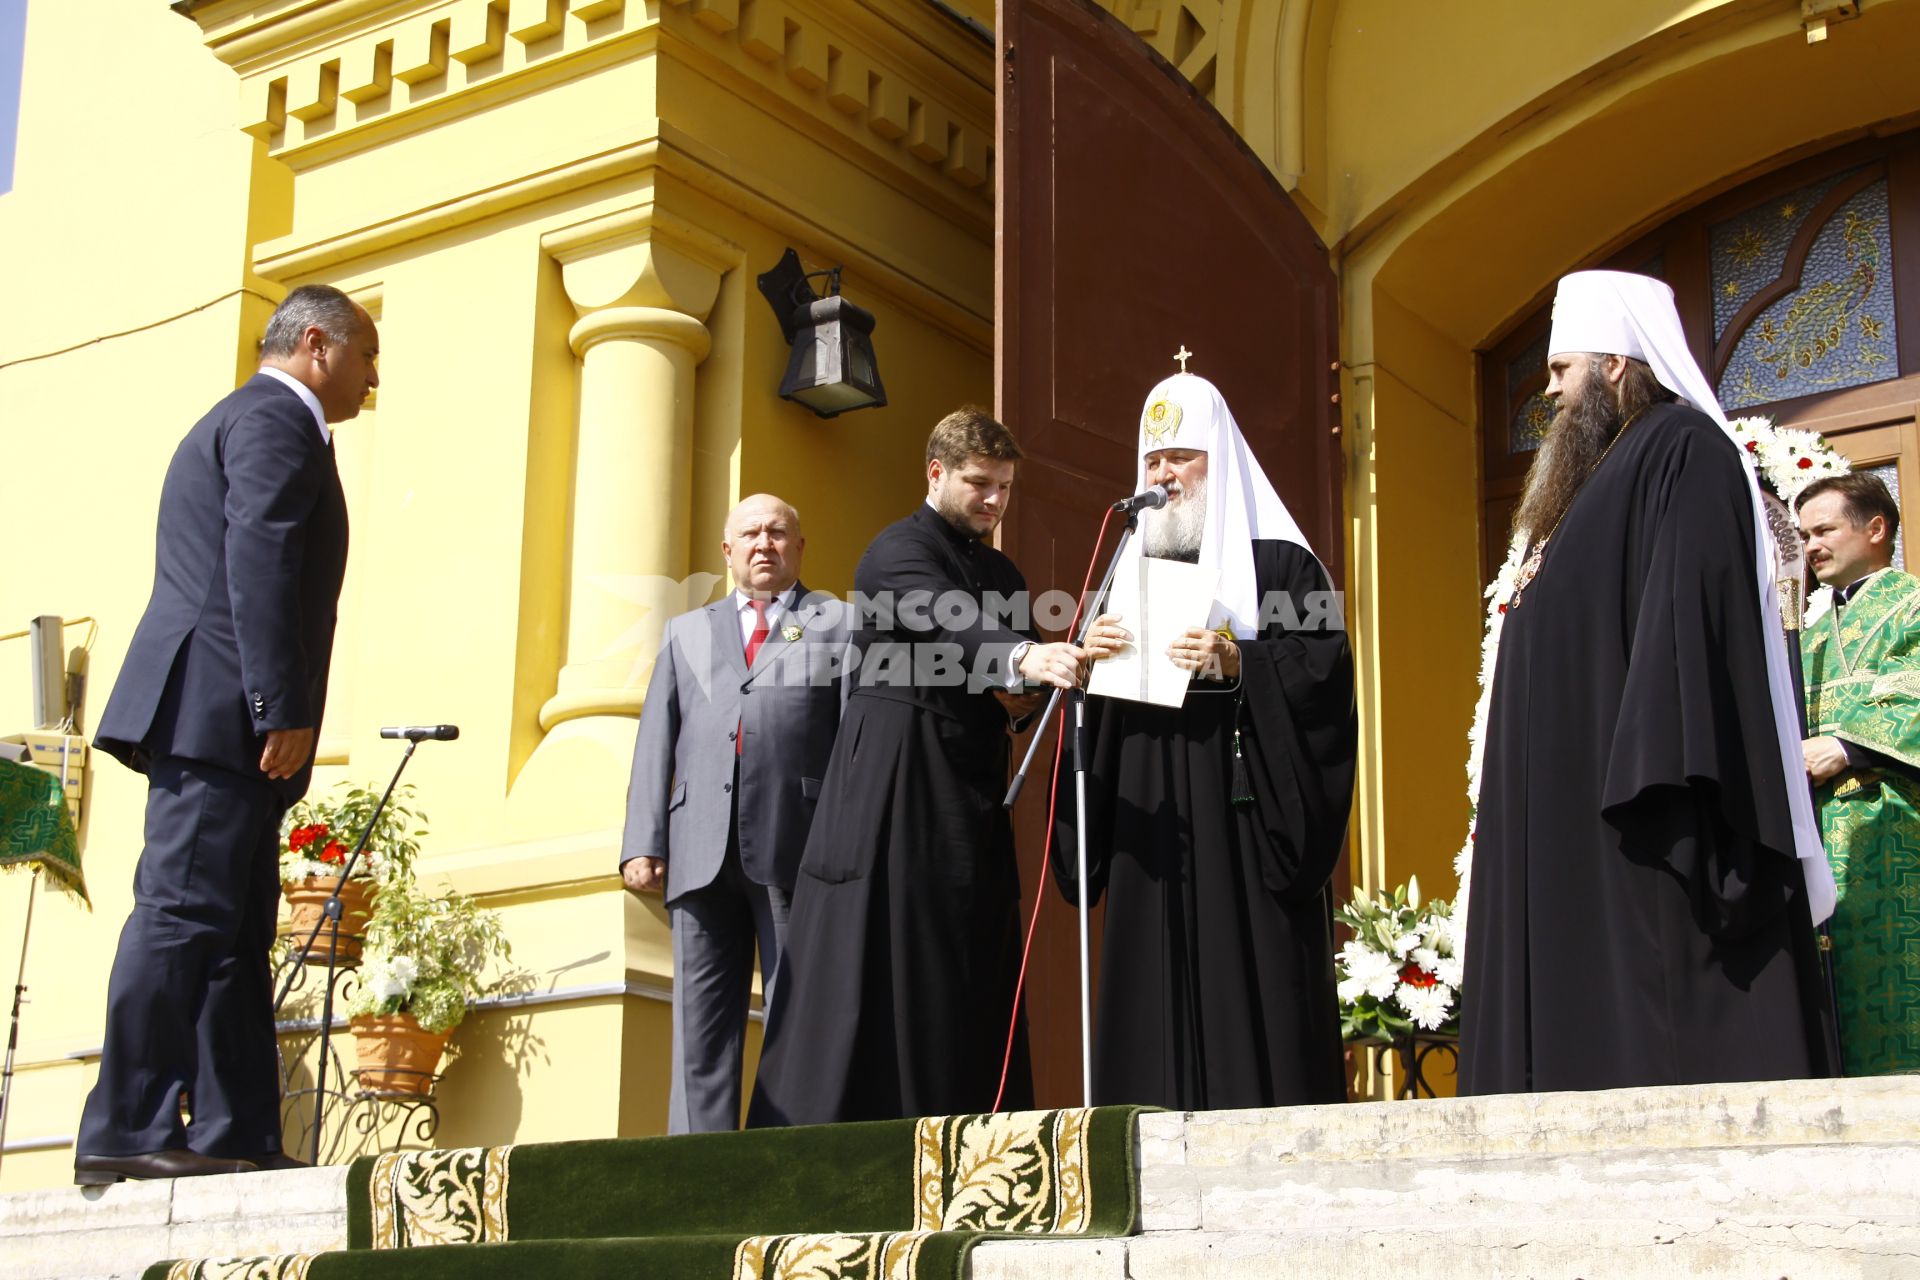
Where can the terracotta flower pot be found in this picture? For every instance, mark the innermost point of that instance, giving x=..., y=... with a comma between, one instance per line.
x=395, y=1055
x=307, y=900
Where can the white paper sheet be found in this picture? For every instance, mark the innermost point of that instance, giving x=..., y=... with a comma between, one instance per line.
x=1156, y=600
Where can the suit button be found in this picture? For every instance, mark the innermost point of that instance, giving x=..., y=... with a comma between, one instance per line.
x=733, y=735
x=726, y=786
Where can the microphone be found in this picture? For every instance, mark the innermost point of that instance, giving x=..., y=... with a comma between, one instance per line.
x=1154, y=498
x=422, y=732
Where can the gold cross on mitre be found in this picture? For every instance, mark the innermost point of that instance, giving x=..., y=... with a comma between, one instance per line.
x=1183, y=355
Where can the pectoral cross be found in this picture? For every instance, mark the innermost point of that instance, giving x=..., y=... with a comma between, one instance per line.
x=1183, y=355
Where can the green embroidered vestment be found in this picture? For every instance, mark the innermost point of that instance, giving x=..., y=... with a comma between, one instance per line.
x=1862, y=668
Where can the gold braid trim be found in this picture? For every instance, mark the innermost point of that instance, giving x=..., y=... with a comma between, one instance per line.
x=286, y=1266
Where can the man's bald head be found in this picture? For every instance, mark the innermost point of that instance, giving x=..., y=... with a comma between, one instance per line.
x=762, y=543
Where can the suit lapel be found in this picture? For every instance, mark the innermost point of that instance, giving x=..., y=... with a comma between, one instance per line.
x=726, y=634
x=777, y=640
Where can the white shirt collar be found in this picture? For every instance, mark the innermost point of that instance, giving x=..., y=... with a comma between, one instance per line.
x=780, y=600
x=307, y=398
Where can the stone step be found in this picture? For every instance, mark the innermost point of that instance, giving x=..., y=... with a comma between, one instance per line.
x=1728, y=1151
x=1803, y=1179
x=1828, y=1247
x=116, y=1232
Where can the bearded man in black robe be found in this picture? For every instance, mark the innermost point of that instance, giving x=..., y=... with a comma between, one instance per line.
x=903, y=946
x=1213, y=827
x=1646, y=870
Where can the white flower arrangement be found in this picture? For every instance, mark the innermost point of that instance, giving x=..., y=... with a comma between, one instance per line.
x=1785, y=460
x=1399, y=972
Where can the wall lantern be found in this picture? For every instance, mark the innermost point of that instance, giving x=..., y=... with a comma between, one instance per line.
x=832, y=368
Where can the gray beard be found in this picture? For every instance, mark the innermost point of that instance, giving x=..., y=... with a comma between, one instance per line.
x=1581, y=431
x=1175, y=532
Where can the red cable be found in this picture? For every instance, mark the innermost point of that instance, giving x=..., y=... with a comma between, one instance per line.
x=1046, y=850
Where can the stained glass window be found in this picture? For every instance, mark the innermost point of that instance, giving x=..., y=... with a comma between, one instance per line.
x=1837, y=329
x=1529, y=423
x=1889, y=474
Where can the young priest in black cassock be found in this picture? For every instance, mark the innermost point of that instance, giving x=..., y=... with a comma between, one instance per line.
x=1213, y=827
x=903, y=946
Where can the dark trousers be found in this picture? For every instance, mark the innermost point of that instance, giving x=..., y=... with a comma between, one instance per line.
x=716, y=930
x=190, y=1001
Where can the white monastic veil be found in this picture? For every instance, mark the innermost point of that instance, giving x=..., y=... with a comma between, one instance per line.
x=1188, y=412
x=1618, y=313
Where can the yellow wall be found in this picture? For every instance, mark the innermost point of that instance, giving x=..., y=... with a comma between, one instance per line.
x=478, y=212
x=1455, y=157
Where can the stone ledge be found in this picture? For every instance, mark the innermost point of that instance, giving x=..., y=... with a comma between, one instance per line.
x=68, y=1233
x=1778, y=1113
x=1825, y=1248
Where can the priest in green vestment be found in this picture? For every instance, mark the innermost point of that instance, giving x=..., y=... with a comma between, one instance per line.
x=1861, y=655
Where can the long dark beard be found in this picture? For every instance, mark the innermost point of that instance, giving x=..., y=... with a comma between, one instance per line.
x=1580, y=433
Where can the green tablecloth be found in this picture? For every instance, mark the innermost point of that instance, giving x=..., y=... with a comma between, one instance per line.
x=36, y=828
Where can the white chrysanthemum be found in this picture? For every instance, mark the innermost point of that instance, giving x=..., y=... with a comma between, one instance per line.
x=1425, y=957
x=1450, y=971
x=1356, y=956
x=1427, y=1006
x=1404, y=944
x=1382, y=985
x=1366, y=966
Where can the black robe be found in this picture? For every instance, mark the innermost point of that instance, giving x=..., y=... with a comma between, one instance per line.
x=903, y=946
x=1637, y=915
x=1216, y=972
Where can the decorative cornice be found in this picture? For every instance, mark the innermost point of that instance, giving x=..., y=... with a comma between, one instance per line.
x=933, y=117
x=322, y=80
x=1192, y=46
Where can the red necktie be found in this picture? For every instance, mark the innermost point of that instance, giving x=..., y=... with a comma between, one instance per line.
x=759, y=636
x=754, y=641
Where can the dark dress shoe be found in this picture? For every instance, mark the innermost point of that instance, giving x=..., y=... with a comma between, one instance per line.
x=279, y=1160
x=98, y=1171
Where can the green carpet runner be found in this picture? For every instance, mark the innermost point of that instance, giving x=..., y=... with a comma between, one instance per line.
x=890, y=1200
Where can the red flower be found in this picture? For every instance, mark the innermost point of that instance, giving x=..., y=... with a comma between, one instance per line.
x=1804, y=463
x=300, y=837
x=335, y=853
x=1503, y=608
x=1753, y=446
x=1414, y=976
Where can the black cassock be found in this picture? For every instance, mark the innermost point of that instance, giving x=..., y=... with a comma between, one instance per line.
x=903, y=946
x=1216, y=973
x=1637, y=916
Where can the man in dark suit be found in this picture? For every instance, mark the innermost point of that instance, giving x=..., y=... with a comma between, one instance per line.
x=735, y=733
x=218, y=703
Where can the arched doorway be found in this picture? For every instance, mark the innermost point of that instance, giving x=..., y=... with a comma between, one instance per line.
x=1800, y=293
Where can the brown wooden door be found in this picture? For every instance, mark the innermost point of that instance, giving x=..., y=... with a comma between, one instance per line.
x=1133, y=221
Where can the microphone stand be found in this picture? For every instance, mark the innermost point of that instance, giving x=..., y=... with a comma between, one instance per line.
x=330, y=921
x=1079, y=741
x=19, y=998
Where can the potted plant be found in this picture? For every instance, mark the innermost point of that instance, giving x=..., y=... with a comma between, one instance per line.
x=317, y=836
x=424, y=964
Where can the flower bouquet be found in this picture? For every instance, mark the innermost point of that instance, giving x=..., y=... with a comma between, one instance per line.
x=1399, y=973
x=423, y=966
x=317, y=836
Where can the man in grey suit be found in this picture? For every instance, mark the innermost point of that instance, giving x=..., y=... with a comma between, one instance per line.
x=735, y=735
